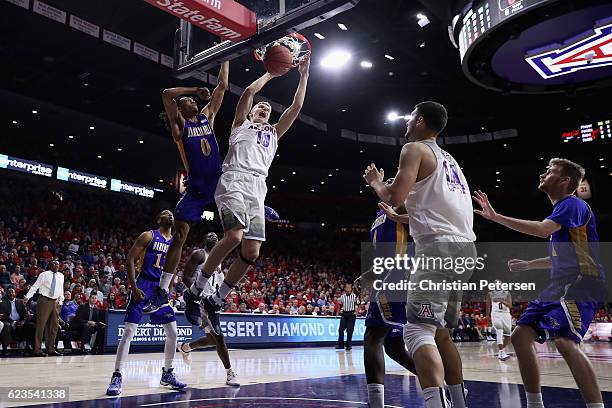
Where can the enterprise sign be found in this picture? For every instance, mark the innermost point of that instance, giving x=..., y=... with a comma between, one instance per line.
x=79, y=177
x=131, y=188
x=25, y=166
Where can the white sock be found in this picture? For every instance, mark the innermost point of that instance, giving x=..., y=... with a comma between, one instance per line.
x=124, y=345
x=170, y=346
x=224, y=290
x=500, y=336
x=227, y=370
x=203, y=283
x=376, y=395
x=534, y=400
x=164, y=281
x=434, y=397
x=457, y=395
x=595, y=405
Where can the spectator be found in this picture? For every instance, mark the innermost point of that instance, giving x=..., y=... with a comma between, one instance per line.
x=13, y=315
x=69, y=308
x=243, y=308
x=261, y=309
x=293, y=309
x=5, y=278
x=105, y=286
x=232, y=308
x=301, y=311
x=275, y=310
x=88, y=323
x=16, y=276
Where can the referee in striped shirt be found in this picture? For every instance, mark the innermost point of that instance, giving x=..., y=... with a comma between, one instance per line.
x=347, y=321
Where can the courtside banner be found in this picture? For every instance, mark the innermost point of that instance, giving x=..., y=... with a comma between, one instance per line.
x=227, y=19
x=251, y=329
x=121, y=186
x=25, y=166
x=79, y=177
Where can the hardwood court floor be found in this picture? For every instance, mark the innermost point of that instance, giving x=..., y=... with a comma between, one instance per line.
x=294, y=377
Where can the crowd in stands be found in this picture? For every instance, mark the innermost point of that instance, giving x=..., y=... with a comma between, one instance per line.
x=297, y=273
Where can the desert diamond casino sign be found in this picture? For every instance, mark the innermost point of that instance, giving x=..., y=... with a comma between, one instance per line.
x=536, y=46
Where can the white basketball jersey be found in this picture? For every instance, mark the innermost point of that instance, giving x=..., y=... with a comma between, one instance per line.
x=215, y=280
x=441, y=204
x=252, y=147
x=497, y=297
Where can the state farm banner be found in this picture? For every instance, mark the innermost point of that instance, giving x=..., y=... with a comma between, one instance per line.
x=238, y=329
x=227, y=19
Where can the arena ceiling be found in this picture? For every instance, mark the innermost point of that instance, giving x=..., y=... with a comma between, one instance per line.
x=75, y=81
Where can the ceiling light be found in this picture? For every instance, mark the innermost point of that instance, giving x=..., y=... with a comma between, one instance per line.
x=602, y=166
x=273, y=186
x=15, y=122
x=277, y=154
x=91, y=128
x=141, y=141
x=337, y=169
x=322, y=182
x=601, y=159
x=360, y=191
x=342, y=27
x=70, y=137
x=148, y=105
x=422, y=20
x=312, y=189
x=314, y=145
x=505, y=144
x=361, y=151
x=392, y=116
x=282, y=180
x=247, y=69
x=293, y=172
x=482, y=128
x=498, y=180
x=343, y=110
x=319, y=36
x=496, y=186
x=51, y=144
x=422, y=44
x=99, y=157
x=329, y=175
x=336, y=59
x=322, y=224
x=390, y=73
x=85, y=84
x=497, y=172
x=389, y=57
x=35, y=112
x=161, y=180
x=119, y=149
x=366, y=64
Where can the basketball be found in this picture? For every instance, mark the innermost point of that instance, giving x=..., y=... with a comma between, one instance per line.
x=278, y=60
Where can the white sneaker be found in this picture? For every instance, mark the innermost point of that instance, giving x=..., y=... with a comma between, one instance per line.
x=232, y=378
x=185, y=354
x=502, y=356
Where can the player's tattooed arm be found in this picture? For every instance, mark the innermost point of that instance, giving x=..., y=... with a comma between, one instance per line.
x=291, y=113
x=216, y=99
x=542, y=229
x=139, y=246
x=245, y=103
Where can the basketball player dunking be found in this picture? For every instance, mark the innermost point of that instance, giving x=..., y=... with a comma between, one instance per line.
x=430, y=184
x=242, y=188
x=499, y=303
x=195, y=139
x=565, y=308
x=149, y=252
x=193, y=268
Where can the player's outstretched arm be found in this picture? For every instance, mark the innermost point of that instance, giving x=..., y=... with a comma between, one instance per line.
x=542, y=229
x=139, y=246
x=395, y=193
x=196, y=259
x=246, y=99
x=292, y=112
x=519, y=265
x=211, y=109
x=175, y=120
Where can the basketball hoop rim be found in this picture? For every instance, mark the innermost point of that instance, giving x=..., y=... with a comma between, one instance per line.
x=259, y=53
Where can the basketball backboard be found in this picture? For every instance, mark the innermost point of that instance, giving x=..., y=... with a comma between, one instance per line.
x=197, y=50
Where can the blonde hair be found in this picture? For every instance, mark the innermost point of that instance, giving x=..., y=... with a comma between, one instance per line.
x=574, y=171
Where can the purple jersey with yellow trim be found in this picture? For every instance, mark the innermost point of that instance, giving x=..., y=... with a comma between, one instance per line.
x=386, y=230
x=200, y=155
x=574, y=252
x=151, y=261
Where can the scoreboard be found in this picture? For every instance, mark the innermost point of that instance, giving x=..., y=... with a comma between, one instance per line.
x=600, y=131
x=482, y=15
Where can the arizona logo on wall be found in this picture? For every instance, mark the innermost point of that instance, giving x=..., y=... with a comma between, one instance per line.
x=588, y=51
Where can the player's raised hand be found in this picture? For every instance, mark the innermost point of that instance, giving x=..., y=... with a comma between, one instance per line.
x=203, y=93
x=372, y=174
x=389, y=211
x=487, y=209
x=304, y=65
x=518, y=265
